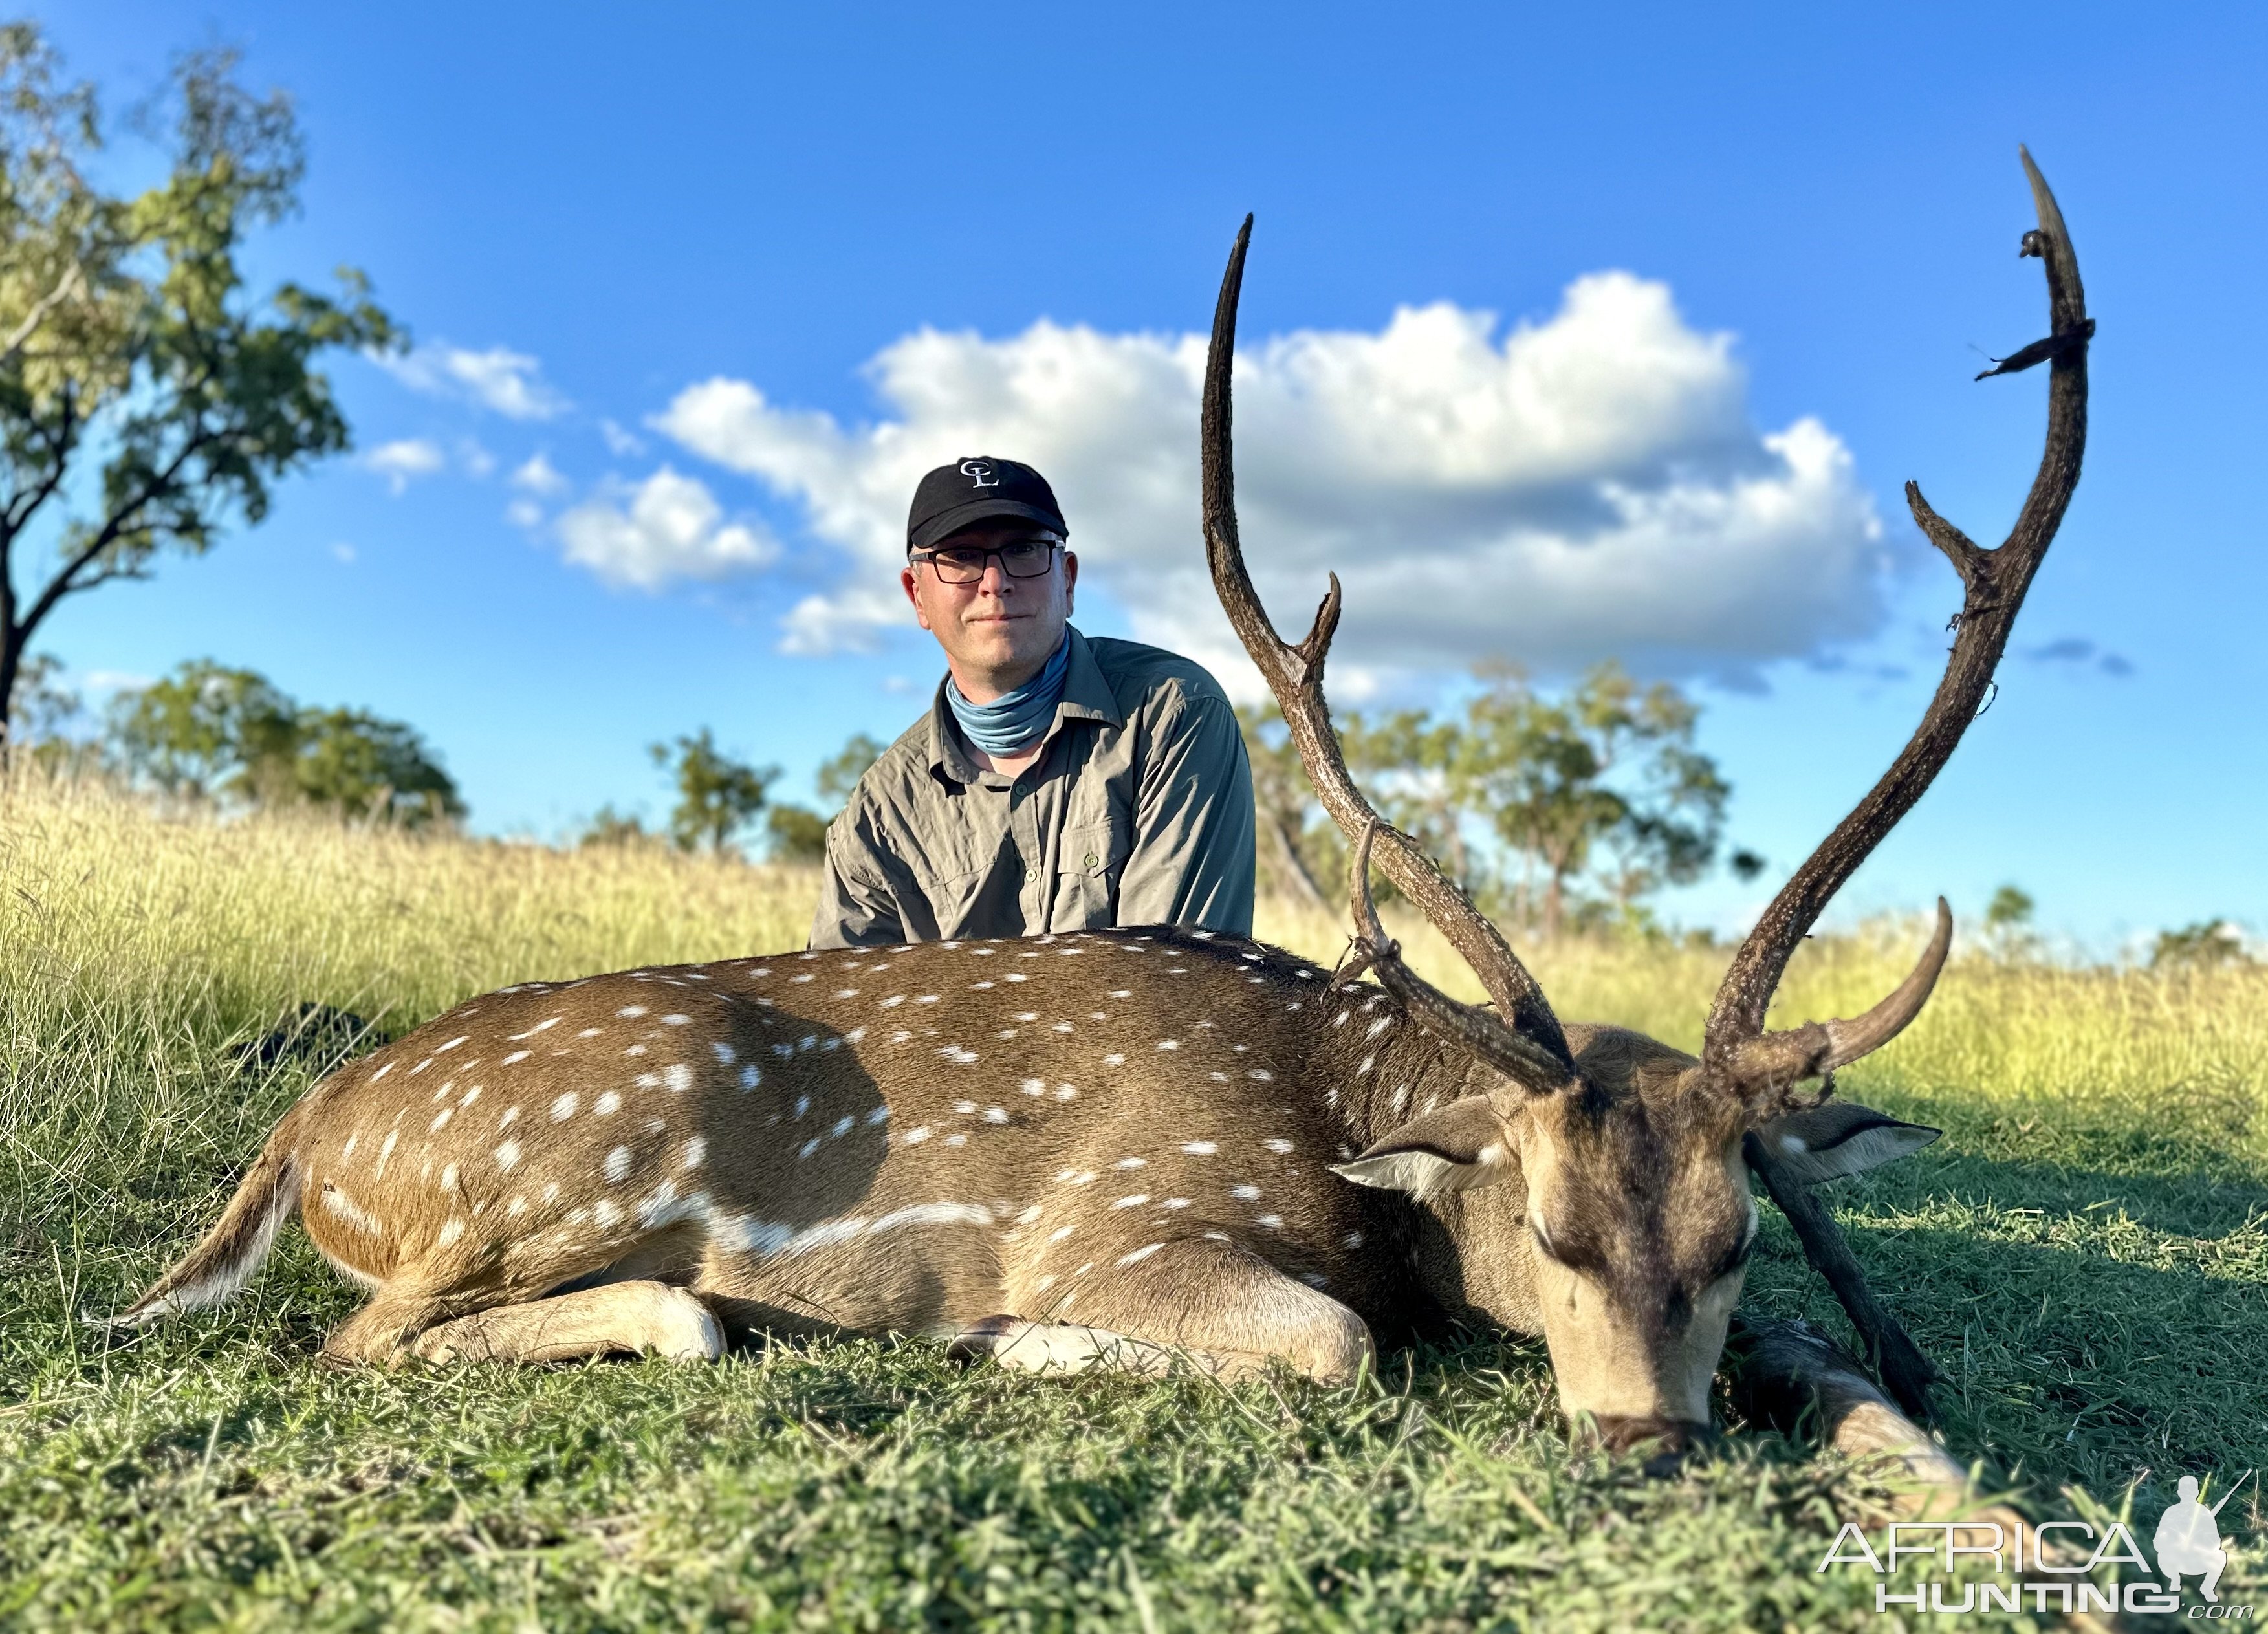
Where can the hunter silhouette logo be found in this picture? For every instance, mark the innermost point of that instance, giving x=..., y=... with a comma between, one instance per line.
x=2188, y=1540
x=979, y=473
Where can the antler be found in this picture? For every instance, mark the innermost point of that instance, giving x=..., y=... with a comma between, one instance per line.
x=1738, y=1048
x=1523, y=1039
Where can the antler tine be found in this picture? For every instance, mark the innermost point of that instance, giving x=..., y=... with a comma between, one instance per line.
x=1522, y=1060
x=1295, y=675
x=1994, y=583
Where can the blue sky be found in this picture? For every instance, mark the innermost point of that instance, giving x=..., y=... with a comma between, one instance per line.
x=1603, y=331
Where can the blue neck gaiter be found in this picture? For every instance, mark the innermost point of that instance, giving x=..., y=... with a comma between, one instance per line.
x=1013, y=720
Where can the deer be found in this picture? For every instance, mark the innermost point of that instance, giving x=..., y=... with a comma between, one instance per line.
x=1146, y=1148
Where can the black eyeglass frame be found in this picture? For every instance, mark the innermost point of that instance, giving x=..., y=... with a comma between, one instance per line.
x=993, y=553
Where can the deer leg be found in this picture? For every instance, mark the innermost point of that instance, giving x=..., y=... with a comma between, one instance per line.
x=634, y=1317
x=1227, y=1310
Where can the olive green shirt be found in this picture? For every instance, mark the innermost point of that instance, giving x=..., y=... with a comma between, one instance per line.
x=1139, y=811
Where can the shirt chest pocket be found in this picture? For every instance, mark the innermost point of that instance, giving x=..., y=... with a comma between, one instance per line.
x=1089, y=859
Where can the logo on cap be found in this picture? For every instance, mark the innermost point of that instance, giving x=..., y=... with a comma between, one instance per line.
x=979, y=473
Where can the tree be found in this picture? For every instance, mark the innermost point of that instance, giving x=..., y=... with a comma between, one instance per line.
x=717, y=795
x=614, y=828
x=839, y=774
x=1280, y=798
x=797, y=835
x=208, y=731
x=146, y=402
x=1609, y=765
x=2204, y=946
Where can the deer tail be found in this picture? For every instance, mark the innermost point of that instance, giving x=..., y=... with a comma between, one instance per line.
x=231, y=1252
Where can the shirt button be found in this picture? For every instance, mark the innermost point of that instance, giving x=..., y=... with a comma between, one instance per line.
x=1090, y=859
x=1031, y=874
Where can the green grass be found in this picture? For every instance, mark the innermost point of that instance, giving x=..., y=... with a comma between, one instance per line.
x=2085, y=1254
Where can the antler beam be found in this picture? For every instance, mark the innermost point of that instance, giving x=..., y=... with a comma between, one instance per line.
x=1995, y=583
x=1524, y=1038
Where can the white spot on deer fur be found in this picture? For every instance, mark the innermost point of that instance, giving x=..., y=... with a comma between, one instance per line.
x=1060, y=1233
x=1015, y=975
x=900, y=1037
x=345, y=1207
x=1025, y=1015
x=1065, y=1091
x=421, y=1066
x=1260, y=1075
x=959, y=1056
x=1352, y=1240
x=915, y=1137
x=1272, y=1222
x=1294, y=1005
x=1401, y=1096
x=607, y=1104
x=964, y=1106
x=516, y=1207
x=1114, y=1061
x=449, y=1178
x=1170, y=1043
x=563, y=1108
x=807, y=976
x=1368, y=1062
x=1200, y=1148
x=470, y=1096
x=1122, y=992
x=648, y=1080
x=1131, y=1163
x=590, y=1032
x=807, y=1148
x=1140, y=1253
x=697, y=1151
x=441, y=1120
x=1277, y=1145
x=384, y=1151
x=634, y=1049
x=1082, y=1177
x=678, y=1075
x=452, y=1043
x=606, y=1214
x=843, y=1126
x=1245, y=1194
x=1134, y=1202
x=978, y=987
x=450, y=1231
x=927, y=999
x=617, y=1164
x=1028, y=1215
x=956, y=1140
x=515, y=1037
x=507, y=1155
x=850, y=1037
x=1218, y=1078
x=654, y=1209
x=676, y=1020
x=632, y=1011
x=1378, y=1026
x=894, y=1001
x=1044, y=1284
x=552, y=1192
x=1033, y=1086
x=381, y=1072
x=347, y=1151
x=996, y=1115
x=879, y=1115
x=1315, y=1279
x=983, y=952
x=809, y=1041
x=725, y=1053
x=1063, y=1026
x=511, y=1116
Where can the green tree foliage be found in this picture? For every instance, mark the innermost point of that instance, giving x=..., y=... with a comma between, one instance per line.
x=2010, y=908
x=717, y=795
x=1553, y=806
x=208, y=731
x=797, y=833
x=146, y=402
x=2204, y=945
x=614, y=828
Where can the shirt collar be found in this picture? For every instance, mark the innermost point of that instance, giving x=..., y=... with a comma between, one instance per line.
x=1087, y=695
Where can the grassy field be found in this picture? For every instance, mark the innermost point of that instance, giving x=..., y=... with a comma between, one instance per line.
x=2086, y=1254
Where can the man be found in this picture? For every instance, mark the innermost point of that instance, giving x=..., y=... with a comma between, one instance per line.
x=1057, y=783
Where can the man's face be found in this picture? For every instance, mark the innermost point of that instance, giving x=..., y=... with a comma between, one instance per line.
x=997, y=631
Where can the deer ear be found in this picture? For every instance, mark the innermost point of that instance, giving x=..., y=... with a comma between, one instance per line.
x=1454, y=1148
x=1840, y=1139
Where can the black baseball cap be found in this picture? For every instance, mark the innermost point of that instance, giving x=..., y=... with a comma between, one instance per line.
x=979, y=490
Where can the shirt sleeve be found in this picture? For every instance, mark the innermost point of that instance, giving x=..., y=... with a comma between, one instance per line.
x=854, y=909
x=1192, y=857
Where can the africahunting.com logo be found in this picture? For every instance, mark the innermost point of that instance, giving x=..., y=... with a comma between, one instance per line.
x=2052, y=1564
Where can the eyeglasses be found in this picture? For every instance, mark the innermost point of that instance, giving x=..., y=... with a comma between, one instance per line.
x=1020, y=558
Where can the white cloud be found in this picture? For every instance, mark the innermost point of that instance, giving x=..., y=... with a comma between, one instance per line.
x=672, y=527
x=621, y=443
x=540, y=477
x=1583, y=487
x=499, y=379
x=403, y=462
x=523, y=513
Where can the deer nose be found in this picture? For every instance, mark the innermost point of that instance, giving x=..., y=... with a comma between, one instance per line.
x=1671, y=1439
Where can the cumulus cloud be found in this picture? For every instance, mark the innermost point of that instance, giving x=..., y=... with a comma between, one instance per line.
x=1555, y=493
x=538, y=477
x=403, y=462
x=667, y=528
x=507, y=382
